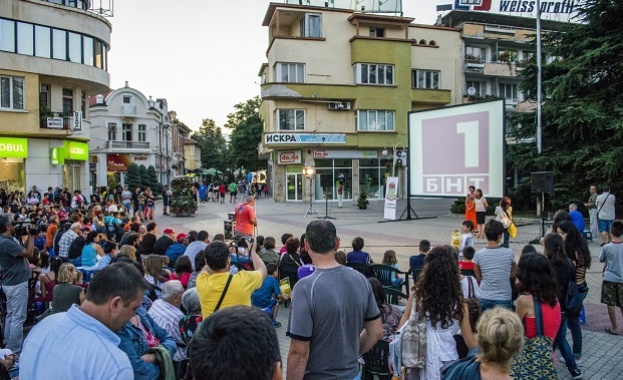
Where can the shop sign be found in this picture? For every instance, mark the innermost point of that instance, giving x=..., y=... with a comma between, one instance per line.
x=55, y=122
x=77, y=121
x=289, y=157
x=139, y=157
x=76, y=151
x=13, y=147
x=558, y=10
x=322, y=153
x=294, y=169
x=56, y=156
x=117, y=162
x=304, y=138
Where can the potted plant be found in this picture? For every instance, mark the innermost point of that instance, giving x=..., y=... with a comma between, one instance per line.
x=183, y=202
x=362, y=201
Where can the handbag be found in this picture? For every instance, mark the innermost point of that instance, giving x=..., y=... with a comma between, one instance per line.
x=473, y=304
x=413, y=337
x=534, y=362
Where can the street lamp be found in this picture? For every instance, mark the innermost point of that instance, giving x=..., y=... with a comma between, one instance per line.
x=309, y=171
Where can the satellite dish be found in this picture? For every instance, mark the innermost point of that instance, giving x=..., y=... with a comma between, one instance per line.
x=471, y=91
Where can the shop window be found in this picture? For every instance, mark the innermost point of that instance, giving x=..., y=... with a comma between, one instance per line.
x=12, y=175
x=12, y=92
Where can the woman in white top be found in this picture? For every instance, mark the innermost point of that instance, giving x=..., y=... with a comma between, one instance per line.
x=481, y=212
x=438, y=295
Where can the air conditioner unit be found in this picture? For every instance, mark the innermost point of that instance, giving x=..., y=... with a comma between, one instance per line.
x=339, y=105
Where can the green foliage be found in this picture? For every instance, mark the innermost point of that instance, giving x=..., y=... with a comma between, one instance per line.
x=583, y=106
x=133, y=177
x=142, y=172
x=183, y=202
x=362, y=201
x=154, y=182
x=246, y=126
x=213, y=145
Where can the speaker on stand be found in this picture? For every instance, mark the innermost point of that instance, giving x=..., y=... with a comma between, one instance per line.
x=543, y=183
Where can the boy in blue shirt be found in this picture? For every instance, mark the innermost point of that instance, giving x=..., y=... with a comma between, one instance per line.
x=268, y=296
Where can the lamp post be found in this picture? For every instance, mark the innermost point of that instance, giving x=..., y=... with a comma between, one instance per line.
x=309, y=171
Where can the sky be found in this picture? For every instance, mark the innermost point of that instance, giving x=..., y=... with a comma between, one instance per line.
x=203, y=56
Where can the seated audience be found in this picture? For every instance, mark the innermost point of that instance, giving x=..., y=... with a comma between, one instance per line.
x=65, y=292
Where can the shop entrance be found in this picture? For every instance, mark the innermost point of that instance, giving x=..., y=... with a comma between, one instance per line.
x=71, y=176
x=12, y=175
x=294, y=183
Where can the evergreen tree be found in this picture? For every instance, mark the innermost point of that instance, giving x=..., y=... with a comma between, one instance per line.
x=142, y=172
x=154, y=181
x=133, y=177
x=583, y=105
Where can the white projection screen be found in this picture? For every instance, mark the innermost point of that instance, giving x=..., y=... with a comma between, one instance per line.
x=454, y=147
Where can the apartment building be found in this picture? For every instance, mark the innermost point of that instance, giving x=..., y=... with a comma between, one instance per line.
x=53, y=56
x=336, y=91
x=128, y=127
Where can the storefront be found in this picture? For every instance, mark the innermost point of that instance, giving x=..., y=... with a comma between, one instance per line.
x=73, y=156
x=13, y=152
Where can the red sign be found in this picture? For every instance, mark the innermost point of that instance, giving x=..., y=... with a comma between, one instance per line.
x=289, y=157
x=320, y=154
x=117, y=162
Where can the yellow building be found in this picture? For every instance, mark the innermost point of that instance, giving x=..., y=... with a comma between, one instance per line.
x=52, y=57
x=336, y=92
x=192, y=154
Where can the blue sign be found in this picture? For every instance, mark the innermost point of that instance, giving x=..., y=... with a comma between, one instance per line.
x=304, y=138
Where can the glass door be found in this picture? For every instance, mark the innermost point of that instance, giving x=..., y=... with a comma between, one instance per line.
x=294, y=183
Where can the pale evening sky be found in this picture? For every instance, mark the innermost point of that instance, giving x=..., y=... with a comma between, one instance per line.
x=202, y=56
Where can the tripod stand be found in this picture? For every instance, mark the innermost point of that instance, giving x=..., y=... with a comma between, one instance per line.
x=541, y=234
x=326, y=209
x=311, y=209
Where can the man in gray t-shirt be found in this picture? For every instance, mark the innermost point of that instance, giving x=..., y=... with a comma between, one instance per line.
x=334, y=317
x=494, y=268
x=605, y=213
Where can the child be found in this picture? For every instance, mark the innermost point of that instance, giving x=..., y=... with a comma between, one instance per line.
x=467, y=240
x=468, y=255
x=417, y=261
x=389, y=259
x=267, y=296
x=284, y=238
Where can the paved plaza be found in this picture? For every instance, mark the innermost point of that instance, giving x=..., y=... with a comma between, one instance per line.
x=602, y=353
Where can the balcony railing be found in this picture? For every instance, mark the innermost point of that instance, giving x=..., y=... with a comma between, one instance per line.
x=127, y=145
x=56, y=120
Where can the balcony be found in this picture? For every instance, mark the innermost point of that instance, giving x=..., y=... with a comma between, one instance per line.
x=127, y=145
x=55, y=120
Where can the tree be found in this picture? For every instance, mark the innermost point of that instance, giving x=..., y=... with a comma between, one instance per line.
x=133, y=177
x=246, y=126
x=142, y=172
x=213, y=145
x=583, y=107
x=154, y=182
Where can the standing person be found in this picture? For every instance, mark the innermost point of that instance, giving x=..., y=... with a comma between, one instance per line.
x=332, y=293
x=591, y=205
x=554, y=249
x=110, y=301
x=494, y=266
x=470, y=206
x=221, y=192
x=233, y=191
x=126, y=199
x=135, y=203
x=579, y=254
x=504, y=214
x=481, y=212
x=150, y=204
x=49, y=234
x=166, y=200
x=605, y=213
x=203, y=193
x=244, y=215
x=14, y=263
x=612, y=286
x=576, y=217
x=218, y=288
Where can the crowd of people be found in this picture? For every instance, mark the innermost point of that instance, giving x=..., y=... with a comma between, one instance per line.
x=151, y=305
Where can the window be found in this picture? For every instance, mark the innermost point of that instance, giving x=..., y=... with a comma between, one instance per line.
x=369, y=73
x=290, y=72
x=311, y=25
x=475, y=54
x=87, y=43
x=75, y=47
x=507, y=56
x=126, y=132
x=25, y=38
x=83, y=103
x=112, y=131
x=426, y=79
x=508, y=91
x=291, y=120
x=44, y=96
x=127, y=99
x=43, y=46
x=12, y=92
x=68, y=101
x=478, y=88
x=59, y=44
x=377, y=32
x=375, y=120
x=7, y=35
x=142, y=132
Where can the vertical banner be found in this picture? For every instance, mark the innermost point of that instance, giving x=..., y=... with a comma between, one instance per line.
x=391, y=194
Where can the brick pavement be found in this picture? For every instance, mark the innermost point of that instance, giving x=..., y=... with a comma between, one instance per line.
x=603, y=353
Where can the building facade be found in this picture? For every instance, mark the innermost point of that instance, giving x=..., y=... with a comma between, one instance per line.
x=127, y=127
x=336, y=92
x=52, y=58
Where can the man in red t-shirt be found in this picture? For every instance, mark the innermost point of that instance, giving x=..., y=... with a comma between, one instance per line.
x=244, y=215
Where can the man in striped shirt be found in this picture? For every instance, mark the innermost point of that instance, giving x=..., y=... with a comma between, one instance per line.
x=167, y=314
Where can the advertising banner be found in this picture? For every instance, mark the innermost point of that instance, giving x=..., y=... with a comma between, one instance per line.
x=288, y=157
x=75, y=150
x=391, y=196
x=304, y=138
x=13, y=147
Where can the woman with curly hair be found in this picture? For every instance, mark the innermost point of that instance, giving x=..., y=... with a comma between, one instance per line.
x=536, y=279
x=437, y=296
x=577, y=250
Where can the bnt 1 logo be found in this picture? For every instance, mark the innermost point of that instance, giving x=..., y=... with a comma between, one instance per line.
x=475, y=5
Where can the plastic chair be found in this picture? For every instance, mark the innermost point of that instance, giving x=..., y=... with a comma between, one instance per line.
x=377, y=362
x=415, y=273
x=588, y=235
x=386, y=275
x=393, y=295
x=362, y=268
